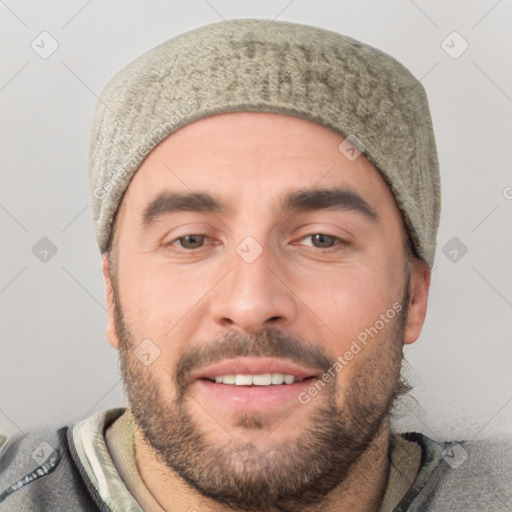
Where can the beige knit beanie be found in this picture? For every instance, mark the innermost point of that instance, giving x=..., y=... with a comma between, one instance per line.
x=360, y=92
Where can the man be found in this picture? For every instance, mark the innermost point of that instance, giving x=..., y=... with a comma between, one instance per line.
x=266, y=198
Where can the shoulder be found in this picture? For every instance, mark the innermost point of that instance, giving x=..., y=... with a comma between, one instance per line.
x=39, y=451
x=471, y=475
x=38, y=472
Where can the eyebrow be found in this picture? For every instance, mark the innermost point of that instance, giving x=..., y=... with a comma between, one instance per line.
x=302, y=200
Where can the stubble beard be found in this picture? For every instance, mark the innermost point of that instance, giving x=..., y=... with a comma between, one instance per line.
x=287, y=475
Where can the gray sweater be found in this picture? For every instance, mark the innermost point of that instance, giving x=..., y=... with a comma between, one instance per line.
x=53, y=470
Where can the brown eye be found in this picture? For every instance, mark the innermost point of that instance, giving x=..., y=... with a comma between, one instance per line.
x=324, y=241
x=191, y=241
x=325, y=244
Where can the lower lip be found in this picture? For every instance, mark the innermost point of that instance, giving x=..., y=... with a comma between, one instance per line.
x=253, y=398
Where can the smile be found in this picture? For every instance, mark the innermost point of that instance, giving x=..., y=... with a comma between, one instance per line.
x=264, y=379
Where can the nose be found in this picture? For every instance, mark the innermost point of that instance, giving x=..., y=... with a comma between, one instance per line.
x=253, y=295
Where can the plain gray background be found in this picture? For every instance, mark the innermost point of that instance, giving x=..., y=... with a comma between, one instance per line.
x=55, y=364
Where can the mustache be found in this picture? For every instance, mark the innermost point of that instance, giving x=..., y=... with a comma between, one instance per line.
x=269, y=342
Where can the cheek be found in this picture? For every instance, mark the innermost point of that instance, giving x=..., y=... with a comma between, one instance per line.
x=151, y=299
x=361, y=311
x=348, y=301
x=155, y=307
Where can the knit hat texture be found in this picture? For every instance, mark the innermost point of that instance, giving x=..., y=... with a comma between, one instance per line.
x=259, y=65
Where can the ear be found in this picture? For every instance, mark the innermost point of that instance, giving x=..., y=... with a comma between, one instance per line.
x=110, y=331
x=418, y=296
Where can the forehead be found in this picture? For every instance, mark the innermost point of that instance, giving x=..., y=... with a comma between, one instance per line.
x=250, y=159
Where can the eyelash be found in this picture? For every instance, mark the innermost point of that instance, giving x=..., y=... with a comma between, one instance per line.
x=327, y=250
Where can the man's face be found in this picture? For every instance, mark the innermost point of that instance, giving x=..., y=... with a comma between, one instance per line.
x=261, y=285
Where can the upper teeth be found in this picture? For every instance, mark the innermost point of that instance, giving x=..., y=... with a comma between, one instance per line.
x=264, y=379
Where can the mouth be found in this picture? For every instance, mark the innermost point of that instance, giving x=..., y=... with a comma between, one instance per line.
x=262, y=379
x=258, y=371
x=254, y=384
